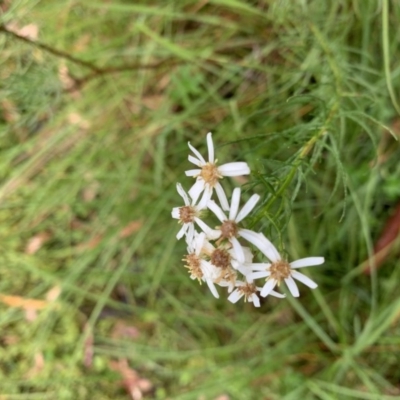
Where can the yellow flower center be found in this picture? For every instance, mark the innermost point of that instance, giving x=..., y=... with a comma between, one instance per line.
x=280, y=270
x=248, y=289
x=210, y=174
x=193, y=264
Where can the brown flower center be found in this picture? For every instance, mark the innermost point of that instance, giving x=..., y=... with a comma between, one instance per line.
x=221, y=258
x=187, y=214
x=210, y=174
x=229, y=229
x=280, y=270
x=248, y=289
x=193, y=264
x=228, y=274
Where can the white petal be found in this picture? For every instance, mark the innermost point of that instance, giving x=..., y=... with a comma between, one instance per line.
x=183, y=194
x=245, y=271
x=175, y=212
x=252, y=237
x=235, y=296
x=211, y=234
x=276, y=294
x=237, y=248
x=210, y=146
x=195, y=161
x=191, y=247
x=307, y=262
x=256, y=301
x=268, y=249
x=248, y=255
x=206, y=196
x=190, y=233
x=208, y=248
x=199, y=207
x=209, y=270
x=260, y=266
x=291, y=284
x=304, y=279
x=234, y=169
x=182, y=231
x=244, y=212
x=196, y=189
x=222, y=196
x=197, y=154
x=193, y=172
x=234, y=204
x=269, y=285
x=258, y=275
x=227, y=284
x=261, y=242
x=198, y=242
x=212, y=205
x=212, y=288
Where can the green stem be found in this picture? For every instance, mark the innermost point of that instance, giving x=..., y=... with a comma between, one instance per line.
x=386, y=56
x=303, y=153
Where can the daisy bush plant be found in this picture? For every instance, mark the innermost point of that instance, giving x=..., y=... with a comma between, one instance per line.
x=208, y=175
x=219, y=255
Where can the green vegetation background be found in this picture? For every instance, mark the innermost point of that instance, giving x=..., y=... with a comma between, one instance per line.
x=97, y=102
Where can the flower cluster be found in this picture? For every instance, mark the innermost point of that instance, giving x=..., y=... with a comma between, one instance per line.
x=217, y=255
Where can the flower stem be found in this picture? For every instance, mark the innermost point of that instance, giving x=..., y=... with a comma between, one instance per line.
x=302, y=154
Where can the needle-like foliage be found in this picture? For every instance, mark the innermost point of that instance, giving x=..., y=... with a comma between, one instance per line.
x=98, y=100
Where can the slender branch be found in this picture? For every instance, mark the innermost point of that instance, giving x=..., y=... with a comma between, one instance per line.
x=95, y=70
x=79, y=82
x=51, y=50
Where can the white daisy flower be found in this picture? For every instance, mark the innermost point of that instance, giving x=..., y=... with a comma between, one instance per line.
x=199, y=268
x=229, y=230
x=249, y=291
x=223, y=258
x=280, y=269
x=187, y=216
x=209, y=174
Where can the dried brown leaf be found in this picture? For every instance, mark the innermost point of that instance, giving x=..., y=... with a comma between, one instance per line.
x=88, y=347
x=123, y=330
x=91, y=244
x=153, y=102
x=30, y=314
x=4, y=5
x=9, y=111
x=75, y=118
x=36, y=242
x=385, y=243
x=82, y=43
x=89, y=193
x=133, y=383
x=30, y=31
x=38, y=365
x=22, y=302
x=131, y=228
x=164, y=82
x=54, y=293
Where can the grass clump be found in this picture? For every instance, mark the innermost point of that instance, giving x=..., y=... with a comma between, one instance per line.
x=97, y=103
